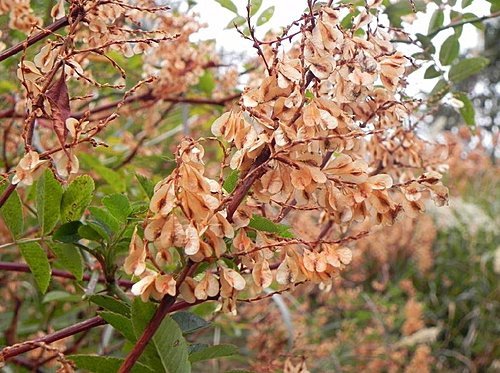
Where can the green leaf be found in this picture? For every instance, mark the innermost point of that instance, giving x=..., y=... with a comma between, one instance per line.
x=89, y=233
x=60, y=296
x=146, y=185
x=431, y=72
x=436, y=21
x=465, y=68
x=238, y=21
x=439, y=91
x=118, y=205
x=466, y=3
x=120, y=323
x=189, y=322
x=105, y=364
x=207, y=82
x=495, y=6
x=39, y=265
x=12, y=212
x=467, y=111
x=255, y=6
x=213, y=352
x=168, y=347
x=70, y=258
x=263, y=224
x=111, y=304
x=68, y=232
x=228, y=4
x=48, y=201
x=76, y=198
x=396, y=10
x=265, y=16
x=231, y=181
x=449, y=50
x=105, y=218
x=113, y=178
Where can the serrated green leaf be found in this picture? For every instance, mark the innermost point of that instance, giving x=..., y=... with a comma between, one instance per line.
x=449, y=50
x=231, y=181
x=76, y=198
x=70, y=257
x=38, y=262
x=68, y=232
x=89, y=233
x=238, y=21
x=111, y=304
x=265, y=16
x=113, y=178
x=467, y=110
x=168, y=350
x=105, y=218
x=465, y=68
x=146, y=185
x=105, y=364
x=436, y=21
x=60, y=296
x=121, y=323
x=431, y=72
x=189, y=322
x=255, y=6
x=263, y=224
x=48, y=201
x=228, y=4
x=12, y=212
x=118, y=205
x=214, y=352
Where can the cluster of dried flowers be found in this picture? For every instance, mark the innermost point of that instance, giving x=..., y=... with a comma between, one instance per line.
x=328, y=132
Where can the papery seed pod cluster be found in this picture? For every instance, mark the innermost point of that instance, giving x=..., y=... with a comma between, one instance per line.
x=328, y=131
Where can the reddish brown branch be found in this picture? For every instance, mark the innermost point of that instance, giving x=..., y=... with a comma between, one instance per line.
x=15, y=350
x=60, y=23
x=21, y=267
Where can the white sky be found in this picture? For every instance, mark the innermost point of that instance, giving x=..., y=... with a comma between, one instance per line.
x=286, y=11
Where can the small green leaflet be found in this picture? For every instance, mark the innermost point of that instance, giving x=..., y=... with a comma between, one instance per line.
x=70, y=257
x=465, y=68
x=189, y=322
x=12, y=212
x=265, y=16
x=168, y=350
x=467, y=111
x=113, y=178
x=48, y=201
x=255, y=6
x=104, y=364
x=111, y=304
x=146, y=185
x=436, y=21
x=76, y=198
x=231, y=181
x=213, y=352
x=449, y=50
x=120, y=323
x=228, y=4
x=439, y=91
x=118, y=205
x=39, y=265
x=238, y=21
x=263, y=224
x=431, y=72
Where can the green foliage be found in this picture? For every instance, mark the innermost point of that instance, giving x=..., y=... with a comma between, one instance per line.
x=467, y=111
x=38, y=262
x=436, y=21
x=104, y=364
x=77, y=198
x=228, y=4
x=449, y=50
x=263, y=224
x=467, y=67
x=111, y=304
x=189, y=322
x=12, y=212
x=213, y=352
x=70, y=258
x=48, y=201
x=168, y=350
x=265, y=16
x=231, y=181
